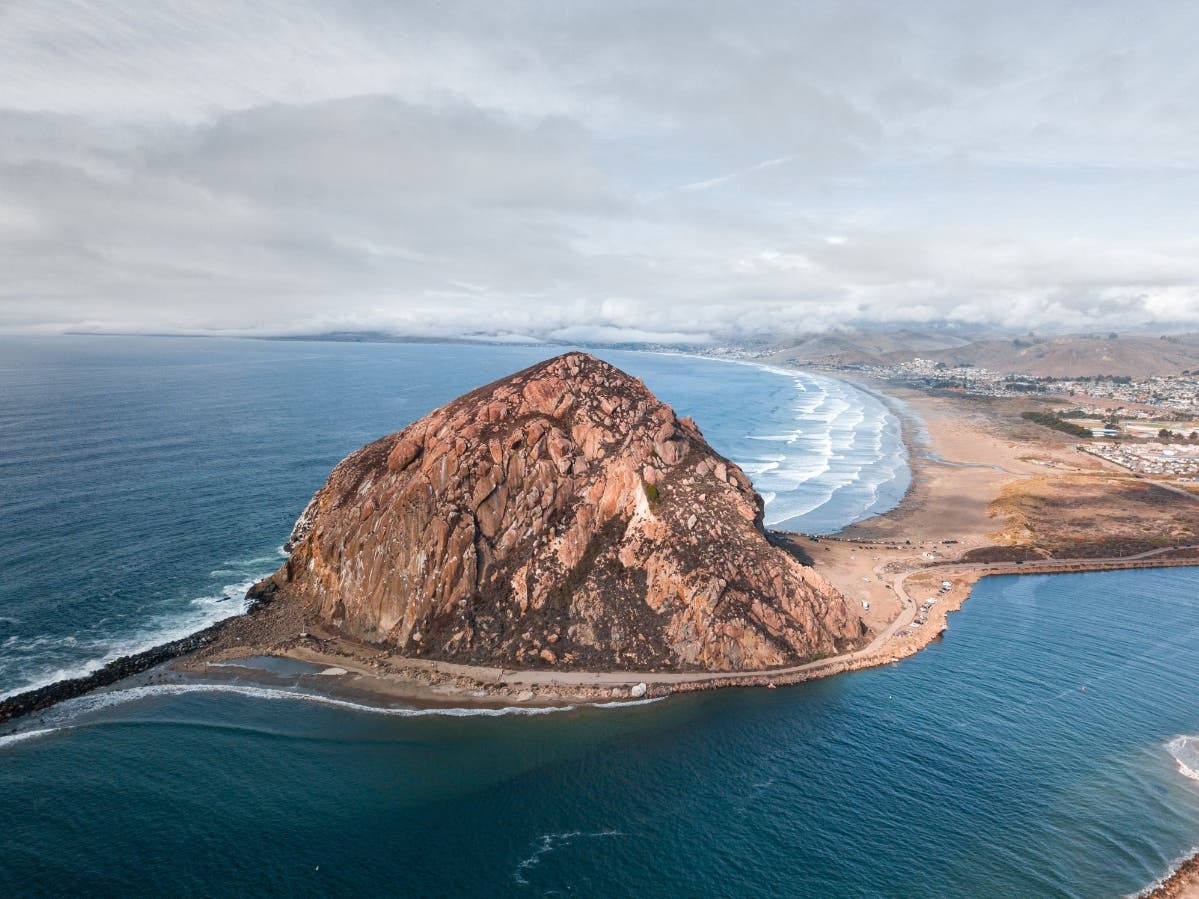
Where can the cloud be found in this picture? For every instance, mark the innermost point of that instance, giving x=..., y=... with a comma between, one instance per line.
x=616, y=334
x=600, y=172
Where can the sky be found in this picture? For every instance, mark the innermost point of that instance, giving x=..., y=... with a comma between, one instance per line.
x=607, y=172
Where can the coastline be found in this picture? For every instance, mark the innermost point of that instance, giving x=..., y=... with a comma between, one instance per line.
x=942, y=532
x=958, y=469
x=934, y=543
x=38, y=699
x=1181, y=883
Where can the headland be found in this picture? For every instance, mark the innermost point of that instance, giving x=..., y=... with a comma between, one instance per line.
x=992, y=493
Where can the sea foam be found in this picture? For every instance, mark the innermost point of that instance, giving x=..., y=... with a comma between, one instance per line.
x=547, y=843
x=95, y=702
x=71, y=710
x=22, y=735
x=200, y=612
x=1185, y=750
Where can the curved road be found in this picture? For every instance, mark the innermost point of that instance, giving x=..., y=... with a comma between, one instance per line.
x=905, y=617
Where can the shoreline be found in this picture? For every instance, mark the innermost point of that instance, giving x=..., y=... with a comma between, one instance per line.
x=1181, y=883
x=945, y=510
x=37, y=699
x=870, y=560
x=920, y=545
x=431, y=681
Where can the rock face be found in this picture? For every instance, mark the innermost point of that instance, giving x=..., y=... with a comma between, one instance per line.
x=561, y=517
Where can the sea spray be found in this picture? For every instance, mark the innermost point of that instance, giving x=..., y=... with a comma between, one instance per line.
x=1175, y=867
x=36, y=669
x=21, y=736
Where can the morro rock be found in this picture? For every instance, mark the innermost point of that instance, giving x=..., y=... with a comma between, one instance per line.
x=560, y=517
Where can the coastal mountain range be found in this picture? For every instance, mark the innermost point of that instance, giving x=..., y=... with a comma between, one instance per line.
x=1135, y=355
x=1063, y=356
x=560, y=517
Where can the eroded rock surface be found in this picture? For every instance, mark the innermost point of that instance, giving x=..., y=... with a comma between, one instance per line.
x=559, y=518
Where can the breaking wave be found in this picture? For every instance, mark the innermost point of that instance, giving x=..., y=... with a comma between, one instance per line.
x=1161, y=881
x=832, y=454
x=22, y=735
x=29, y=658
x=97, y=702
x=1185, y=751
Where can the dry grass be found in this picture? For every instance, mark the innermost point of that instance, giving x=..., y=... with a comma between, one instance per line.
x=1092, y=516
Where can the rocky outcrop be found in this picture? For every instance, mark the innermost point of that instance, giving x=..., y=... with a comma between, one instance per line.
x=561, y=517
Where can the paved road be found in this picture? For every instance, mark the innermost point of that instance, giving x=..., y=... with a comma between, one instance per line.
x=905, y=618
x=545, y=677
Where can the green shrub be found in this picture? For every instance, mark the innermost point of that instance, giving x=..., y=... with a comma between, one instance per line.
x=1050, y=420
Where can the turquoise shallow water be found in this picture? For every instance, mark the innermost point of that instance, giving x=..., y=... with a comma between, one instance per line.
x=1029, y=753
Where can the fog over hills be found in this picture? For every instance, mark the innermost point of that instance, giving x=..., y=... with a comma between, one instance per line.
x=1062, y=356
x=1080, y=356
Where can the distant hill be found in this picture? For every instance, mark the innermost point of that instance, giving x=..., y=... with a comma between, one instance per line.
x=855, y=346
x=1076, y=355
x=1073, y=356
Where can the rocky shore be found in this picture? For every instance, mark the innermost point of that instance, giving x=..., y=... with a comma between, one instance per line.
x=119, y=669
x=944, y=531
x=1182, y=884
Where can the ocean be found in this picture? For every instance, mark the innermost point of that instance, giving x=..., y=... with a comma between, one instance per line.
x=1044, y=747
x=150, y=481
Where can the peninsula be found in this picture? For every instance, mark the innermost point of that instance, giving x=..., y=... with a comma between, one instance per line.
x=562, y=522
x=560, y=536
x=631, y=560
x=625, y=557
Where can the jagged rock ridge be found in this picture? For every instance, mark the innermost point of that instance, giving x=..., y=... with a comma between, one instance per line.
x=562, y=517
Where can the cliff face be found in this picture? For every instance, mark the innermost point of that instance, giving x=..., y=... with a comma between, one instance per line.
x=558, y=517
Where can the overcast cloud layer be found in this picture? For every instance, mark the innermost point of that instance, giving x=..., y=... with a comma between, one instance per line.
x=607, y=172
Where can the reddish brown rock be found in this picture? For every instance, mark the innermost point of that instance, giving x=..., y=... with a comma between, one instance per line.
x=564, y=500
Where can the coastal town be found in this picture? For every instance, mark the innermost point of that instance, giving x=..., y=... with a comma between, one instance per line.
x=1171, y=398
x=1151, y=459
x=1148, y=426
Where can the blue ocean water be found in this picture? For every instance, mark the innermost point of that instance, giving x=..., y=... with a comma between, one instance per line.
x=1039, y=749
x=822, y=452
x=148, y=482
